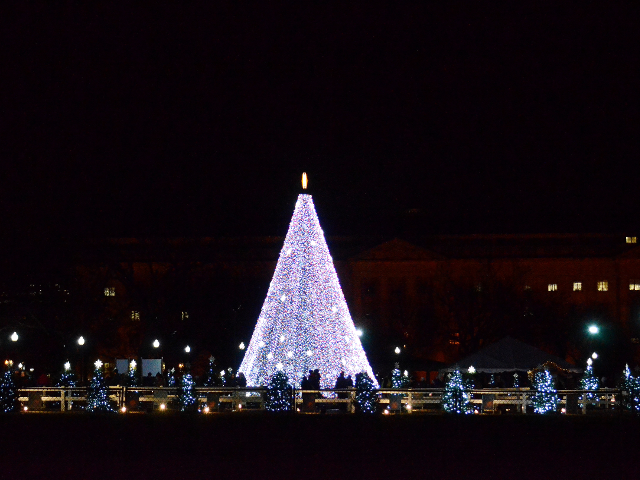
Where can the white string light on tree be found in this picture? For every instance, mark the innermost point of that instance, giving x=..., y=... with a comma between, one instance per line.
x=305, y=322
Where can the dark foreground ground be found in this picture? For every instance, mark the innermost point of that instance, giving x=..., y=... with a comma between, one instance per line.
x=246, y=446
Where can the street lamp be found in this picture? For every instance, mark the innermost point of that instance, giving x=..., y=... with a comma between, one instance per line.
x=156, y=343
x=187, y=349
x=594, y=329
x=241, y=346
x=14, y=337
x=594, y=355
x=359, y=332
x=80, y=344
x=397, y=350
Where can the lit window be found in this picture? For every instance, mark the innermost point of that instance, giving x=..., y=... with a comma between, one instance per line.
x=603, y=286
x=552, y=287
x=635, y=285
x=185, y=315
x=135, y=315
x=632, y=239
x=577, y=286
x=527, y=287
x=110, y=292
x=455, y=340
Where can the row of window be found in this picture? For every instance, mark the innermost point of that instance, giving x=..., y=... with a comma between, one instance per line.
x=135, y=315
x=602, y=286
x=632, y=239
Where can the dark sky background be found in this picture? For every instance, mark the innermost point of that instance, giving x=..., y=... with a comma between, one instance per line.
x=199, y=121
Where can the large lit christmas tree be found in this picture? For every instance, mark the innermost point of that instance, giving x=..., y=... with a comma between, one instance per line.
x=305, y=322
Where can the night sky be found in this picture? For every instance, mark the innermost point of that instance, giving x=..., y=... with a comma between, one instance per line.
x=422, y=120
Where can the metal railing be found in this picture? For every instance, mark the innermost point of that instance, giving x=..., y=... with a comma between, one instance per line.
x=399, y=401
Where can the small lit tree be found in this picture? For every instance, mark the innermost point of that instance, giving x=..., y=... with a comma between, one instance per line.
x=279, y=394
x=398, y=379
x=545, y=398
x=171, y=380
x=365, y=393
x=589, y=381
x=8, y=393
x=67, y=378
x=630, y=387
x=211, y=377
x=186, y=397
x=97, y=392
x=132, y=375
x=456, y=396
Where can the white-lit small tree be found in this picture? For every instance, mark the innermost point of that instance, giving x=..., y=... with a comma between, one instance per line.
x=545, y=398
x=456, y=397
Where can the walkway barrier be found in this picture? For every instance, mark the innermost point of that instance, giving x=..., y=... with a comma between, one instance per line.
x=400, y=401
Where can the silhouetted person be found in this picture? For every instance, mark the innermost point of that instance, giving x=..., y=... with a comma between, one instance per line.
x=305, y=384
x=316, y=379
x=241, y=380
x=159, y=380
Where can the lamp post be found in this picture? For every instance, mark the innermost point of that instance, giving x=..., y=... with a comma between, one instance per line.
x=80, y=348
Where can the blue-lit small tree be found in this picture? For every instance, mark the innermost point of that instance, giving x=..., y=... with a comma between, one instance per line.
x=279, y=394
x=97, y=392
x=8, y=393
x=67, y=378
x=589, y=381
x=457, y=394
x=186, y=397
x=365, y=394
x=545, y=398
x=630, y=387
x=171, y=379
x=211, y=377
x=398, y=379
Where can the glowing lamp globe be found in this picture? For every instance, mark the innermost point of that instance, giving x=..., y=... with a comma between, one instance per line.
x=593, y=329
x=14, y=337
